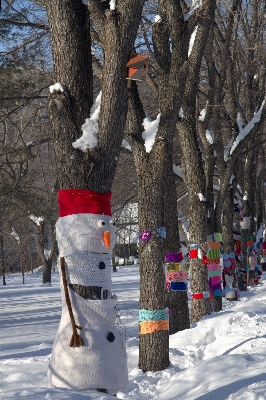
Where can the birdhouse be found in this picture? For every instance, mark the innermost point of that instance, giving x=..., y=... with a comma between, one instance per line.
x=137, y=68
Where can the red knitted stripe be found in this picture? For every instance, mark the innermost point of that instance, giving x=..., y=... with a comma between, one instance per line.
x=77, y=201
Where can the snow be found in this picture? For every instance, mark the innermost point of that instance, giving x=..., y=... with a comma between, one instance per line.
x=245, y=196
x=221, y=357
x=217, y=69
x=245, y=131
x=239, y=188
x=203, y=114
x=126, y=145
x=56, y=87
x=210, y=136
x=231, y=179
x=112, y=4
x=239, y=122
x=36, y=220
x=157, y=18
x=89, y=139
x=47, y=254
x=193, y=4
x=16, y=236
x=85, y=2
x=28, y=143
x=150, y=130
x=201, y=197
x=227, y=149
x=181, y=113
x=216, y=187
x=192, y=39
x=177, y=171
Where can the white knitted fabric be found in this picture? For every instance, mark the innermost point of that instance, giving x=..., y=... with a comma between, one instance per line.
x=99, y=363
x=83, y=268
x=84, y=232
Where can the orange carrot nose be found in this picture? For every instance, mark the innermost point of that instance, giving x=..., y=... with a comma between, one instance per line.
x=107, y=239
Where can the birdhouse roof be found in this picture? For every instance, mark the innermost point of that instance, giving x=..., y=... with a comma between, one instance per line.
x=137, y=61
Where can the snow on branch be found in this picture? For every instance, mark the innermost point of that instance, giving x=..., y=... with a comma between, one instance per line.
x=210, y=136
x=201, y=197
x=112, y=4
x=15, y=235
x=193, y=5
x=244, y=132
x=57, y=87
x=37, y=220
x=176, y=171
x=126, y=145
x=89, y=138
x=150, y=130
x=192, y=40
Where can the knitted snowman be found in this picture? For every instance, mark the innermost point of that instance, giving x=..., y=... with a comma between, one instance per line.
x=86, y=234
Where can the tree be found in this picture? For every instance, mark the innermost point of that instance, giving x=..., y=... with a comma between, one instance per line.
x=72, y=24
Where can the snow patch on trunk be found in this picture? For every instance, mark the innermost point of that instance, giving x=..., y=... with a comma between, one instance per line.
x=89, y=138
x=57, y=87
x=201, y=197
x=150, y=130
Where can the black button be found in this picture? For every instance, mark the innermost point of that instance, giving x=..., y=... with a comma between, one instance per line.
x=101, y=265
x=110, y=337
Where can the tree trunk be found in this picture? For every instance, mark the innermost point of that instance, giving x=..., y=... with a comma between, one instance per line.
x=176, y=301
x=3, y=270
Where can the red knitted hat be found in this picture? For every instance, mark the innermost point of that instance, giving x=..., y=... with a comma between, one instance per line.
x=77, y=201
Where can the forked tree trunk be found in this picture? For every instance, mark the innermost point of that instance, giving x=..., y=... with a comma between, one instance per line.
x=71, y=45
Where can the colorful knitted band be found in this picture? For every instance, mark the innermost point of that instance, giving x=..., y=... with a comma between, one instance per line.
x=202, y=295
x=177, y=276
x=173, y=257
x=77, y=201
x=215, y=279
x=185, y=267
x=215, y=287
x=153, y=326
x=193, y=253
x=214, y=273
x=178, y=286
x=172, y=267
x=213, y=260
x=214, y=267
x=155, y=315
x=217, y=293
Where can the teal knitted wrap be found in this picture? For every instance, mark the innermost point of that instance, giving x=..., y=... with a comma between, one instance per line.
x=156, y=315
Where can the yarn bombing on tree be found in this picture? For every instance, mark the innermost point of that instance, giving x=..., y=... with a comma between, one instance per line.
x=146, y=235
x=95, y=356
x=214, y=269
x=176, y=273
x=153, y=321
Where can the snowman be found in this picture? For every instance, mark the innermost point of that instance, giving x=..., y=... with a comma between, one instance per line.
x=89, y=351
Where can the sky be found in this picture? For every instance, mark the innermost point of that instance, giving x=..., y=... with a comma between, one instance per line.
x=221, y=357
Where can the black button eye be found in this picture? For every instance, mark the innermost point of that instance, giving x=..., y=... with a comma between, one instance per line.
x=110, y=337
x=101, y=223
x=112, y=222
x=101, y=265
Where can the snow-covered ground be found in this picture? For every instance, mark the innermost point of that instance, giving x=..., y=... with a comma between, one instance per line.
x=221, y=357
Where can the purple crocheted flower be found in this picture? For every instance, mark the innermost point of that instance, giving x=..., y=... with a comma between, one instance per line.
x=144, y=236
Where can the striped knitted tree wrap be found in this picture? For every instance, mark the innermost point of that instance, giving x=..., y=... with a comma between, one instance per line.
x=214, y=270
x=153, y=321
